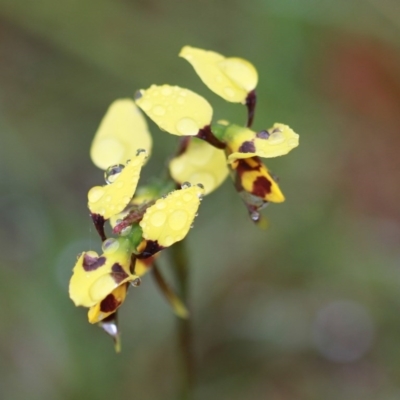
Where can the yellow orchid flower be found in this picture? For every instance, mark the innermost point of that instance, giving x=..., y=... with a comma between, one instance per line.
x=231, y=78
x=122, y=132
x=95, y=278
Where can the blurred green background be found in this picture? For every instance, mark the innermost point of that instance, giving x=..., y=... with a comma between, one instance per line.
x=308, y=309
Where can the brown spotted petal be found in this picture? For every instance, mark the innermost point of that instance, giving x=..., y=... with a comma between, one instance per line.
x=95, y=277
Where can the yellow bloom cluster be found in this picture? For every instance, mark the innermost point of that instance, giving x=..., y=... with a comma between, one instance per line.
x=151, y=218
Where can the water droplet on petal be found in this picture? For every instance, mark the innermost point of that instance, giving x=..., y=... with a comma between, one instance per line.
x=168, y=241
x=138, y=95
x=166, y=91
x=187, y=126
x=127, y=162
x=95, y=194
x=255, y=216
x=159, y=110
x=276, y=138
x=136, y=282
x=161, y=204
x=186, y=185
x=112, y=173
x=126, y=230
x=178, y=220
x=200, y=185
x=110, y=246
x=180, y=100
x=158, y=218
x=293, y=142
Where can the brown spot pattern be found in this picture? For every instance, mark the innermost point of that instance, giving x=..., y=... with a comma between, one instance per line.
x=261, y=187
x=109, y=304
x=152, y=247
x=247, y=147
x=118, y=273
x=92, y=263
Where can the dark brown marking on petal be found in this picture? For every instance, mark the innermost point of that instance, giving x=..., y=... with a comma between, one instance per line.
x=207, y=135
x=109, y=304
x=261, y=187
x=152, y=247
x=118, y=273
x=263, y=134
x=247, y=147
x=92, y=263
x=98, y=221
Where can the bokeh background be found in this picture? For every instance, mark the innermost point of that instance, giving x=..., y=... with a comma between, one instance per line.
x=308, y=309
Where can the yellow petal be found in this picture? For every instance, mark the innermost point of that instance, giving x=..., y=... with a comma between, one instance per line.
x=122, y=131
x=231, y=78
x=108, y=305
x=170, y=218
x=94, y=276
x=175, y=110
x=255, y=179
x=244, y=143
x=113, y=198
x=200, y=163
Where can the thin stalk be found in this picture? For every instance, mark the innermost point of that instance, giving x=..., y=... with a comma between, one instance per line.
x=185, y=333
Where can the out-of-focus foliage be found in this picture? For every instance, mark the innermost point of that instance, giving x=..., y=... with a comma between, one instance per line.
x=308, y=309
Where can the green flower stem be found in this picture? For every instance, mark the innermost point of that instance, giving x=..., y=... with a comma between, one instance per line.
x=180, y=265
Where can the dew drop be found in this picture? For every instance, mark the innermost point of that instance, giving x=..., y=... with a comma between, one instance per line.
x=138, y=95
x=180, y=100
x=276, y=138
x=112, y=173
x=136, y=282
x=108, y=199
x=168, y=241
x=166, y=91
x=158, y=218
x=127, y=162
x=229, y=92
x=159, y=110
x=255, y=216
x=187, y=126
x=110, y=246
x=126, y=231
x=293, y=142
x=183, y=93
x=160, y=204
x=200, y=185
x=186, y=185
x=178, y=220
x=95, y=194
x=119, y=184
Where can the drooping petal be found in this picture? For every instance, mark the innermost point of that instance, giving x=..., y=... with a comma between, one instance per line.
x=253, y=177
x=94, y=277
x=113, y=198
x=200, y=163
x=175, y=110
x=170, y=218
x=244, y=143
x=231, y=78
x=108, y=305
x=122, y=131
